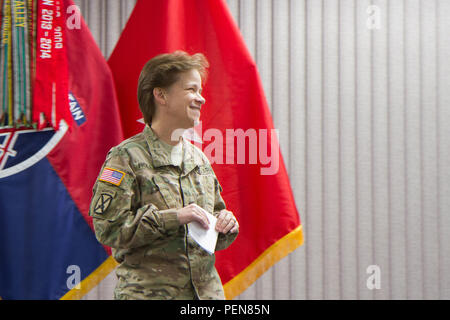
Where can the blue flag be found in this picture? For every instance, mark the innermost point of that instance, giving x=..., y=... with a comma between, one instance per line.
x=48, y=248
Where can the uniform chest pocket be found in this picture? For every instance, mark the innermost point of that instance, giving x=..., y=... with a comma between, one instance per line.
x=158, y=191
x=168, y=189
x=203, y=184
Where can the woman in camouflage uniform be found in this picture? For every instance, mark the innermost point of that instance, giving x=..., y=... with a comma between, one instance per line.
x=152, y=185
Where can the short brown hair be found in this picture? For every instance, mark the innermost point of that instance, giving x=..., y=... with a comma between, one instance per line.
x=161, y=72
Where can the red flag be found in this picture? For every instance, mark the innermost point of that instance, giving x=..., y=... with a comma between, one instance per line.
x=244, y=148
x=80, y=155
x=96, y=126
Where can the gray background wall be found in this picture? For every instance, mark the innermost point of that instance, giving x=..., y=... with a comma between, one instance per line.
x=360, y=93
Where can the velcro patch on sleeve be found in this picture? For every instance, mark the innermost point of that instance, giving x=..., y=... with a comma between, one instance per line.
x=113, y=176
x=103, y=203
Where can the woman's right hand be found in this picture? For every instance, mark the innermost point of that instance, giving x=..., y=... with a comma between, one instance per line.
x=193, y=212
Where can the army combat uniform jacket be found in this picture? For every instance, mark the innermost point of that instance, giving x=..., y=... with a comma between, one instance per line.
x=134, y=205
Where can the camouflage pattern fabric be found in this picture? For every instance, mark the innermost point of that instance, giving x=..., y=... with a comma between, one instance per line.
x=134, y=210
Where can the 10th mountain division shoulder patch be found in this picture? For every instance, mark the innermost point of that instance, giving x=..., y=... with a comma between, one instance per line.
x=103, y=203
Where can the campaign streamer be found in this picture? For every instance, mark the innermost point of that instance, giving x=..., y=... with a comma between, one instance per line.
x=6, y=67
x=51, y=84
x=20, y=53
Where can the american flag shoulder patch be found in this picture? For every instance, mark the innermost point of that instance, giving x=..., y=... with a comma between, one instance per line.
x=113, y=176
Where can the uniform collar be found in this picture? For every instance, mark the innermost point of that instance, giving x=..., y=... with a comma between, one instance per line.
x=161, y=156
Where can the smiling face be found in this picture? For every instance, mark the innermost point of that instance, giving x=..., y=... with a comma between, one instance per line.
x=184, y=100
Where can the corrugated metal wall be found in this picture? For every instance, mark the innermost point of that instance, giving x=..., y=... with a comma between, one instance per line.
x=360, y=93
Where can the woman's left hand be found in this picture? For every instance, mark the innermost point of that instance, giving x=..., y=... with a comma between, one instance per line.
x=226, y=222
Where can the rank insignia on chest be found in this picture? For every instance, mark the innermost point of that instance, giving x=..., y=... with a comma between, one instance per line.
x=203, y=170
x=112, y=176
x=103, y=203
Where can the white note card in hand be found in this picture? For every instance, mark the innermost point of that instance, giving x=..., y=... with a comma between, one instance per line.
x=207, y=239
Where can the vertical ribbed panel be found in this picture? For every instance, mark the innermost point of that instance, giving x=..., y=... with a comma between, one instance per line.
x=106, y=19
x=360, y=93
x=443, y=143
x=397, y=150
